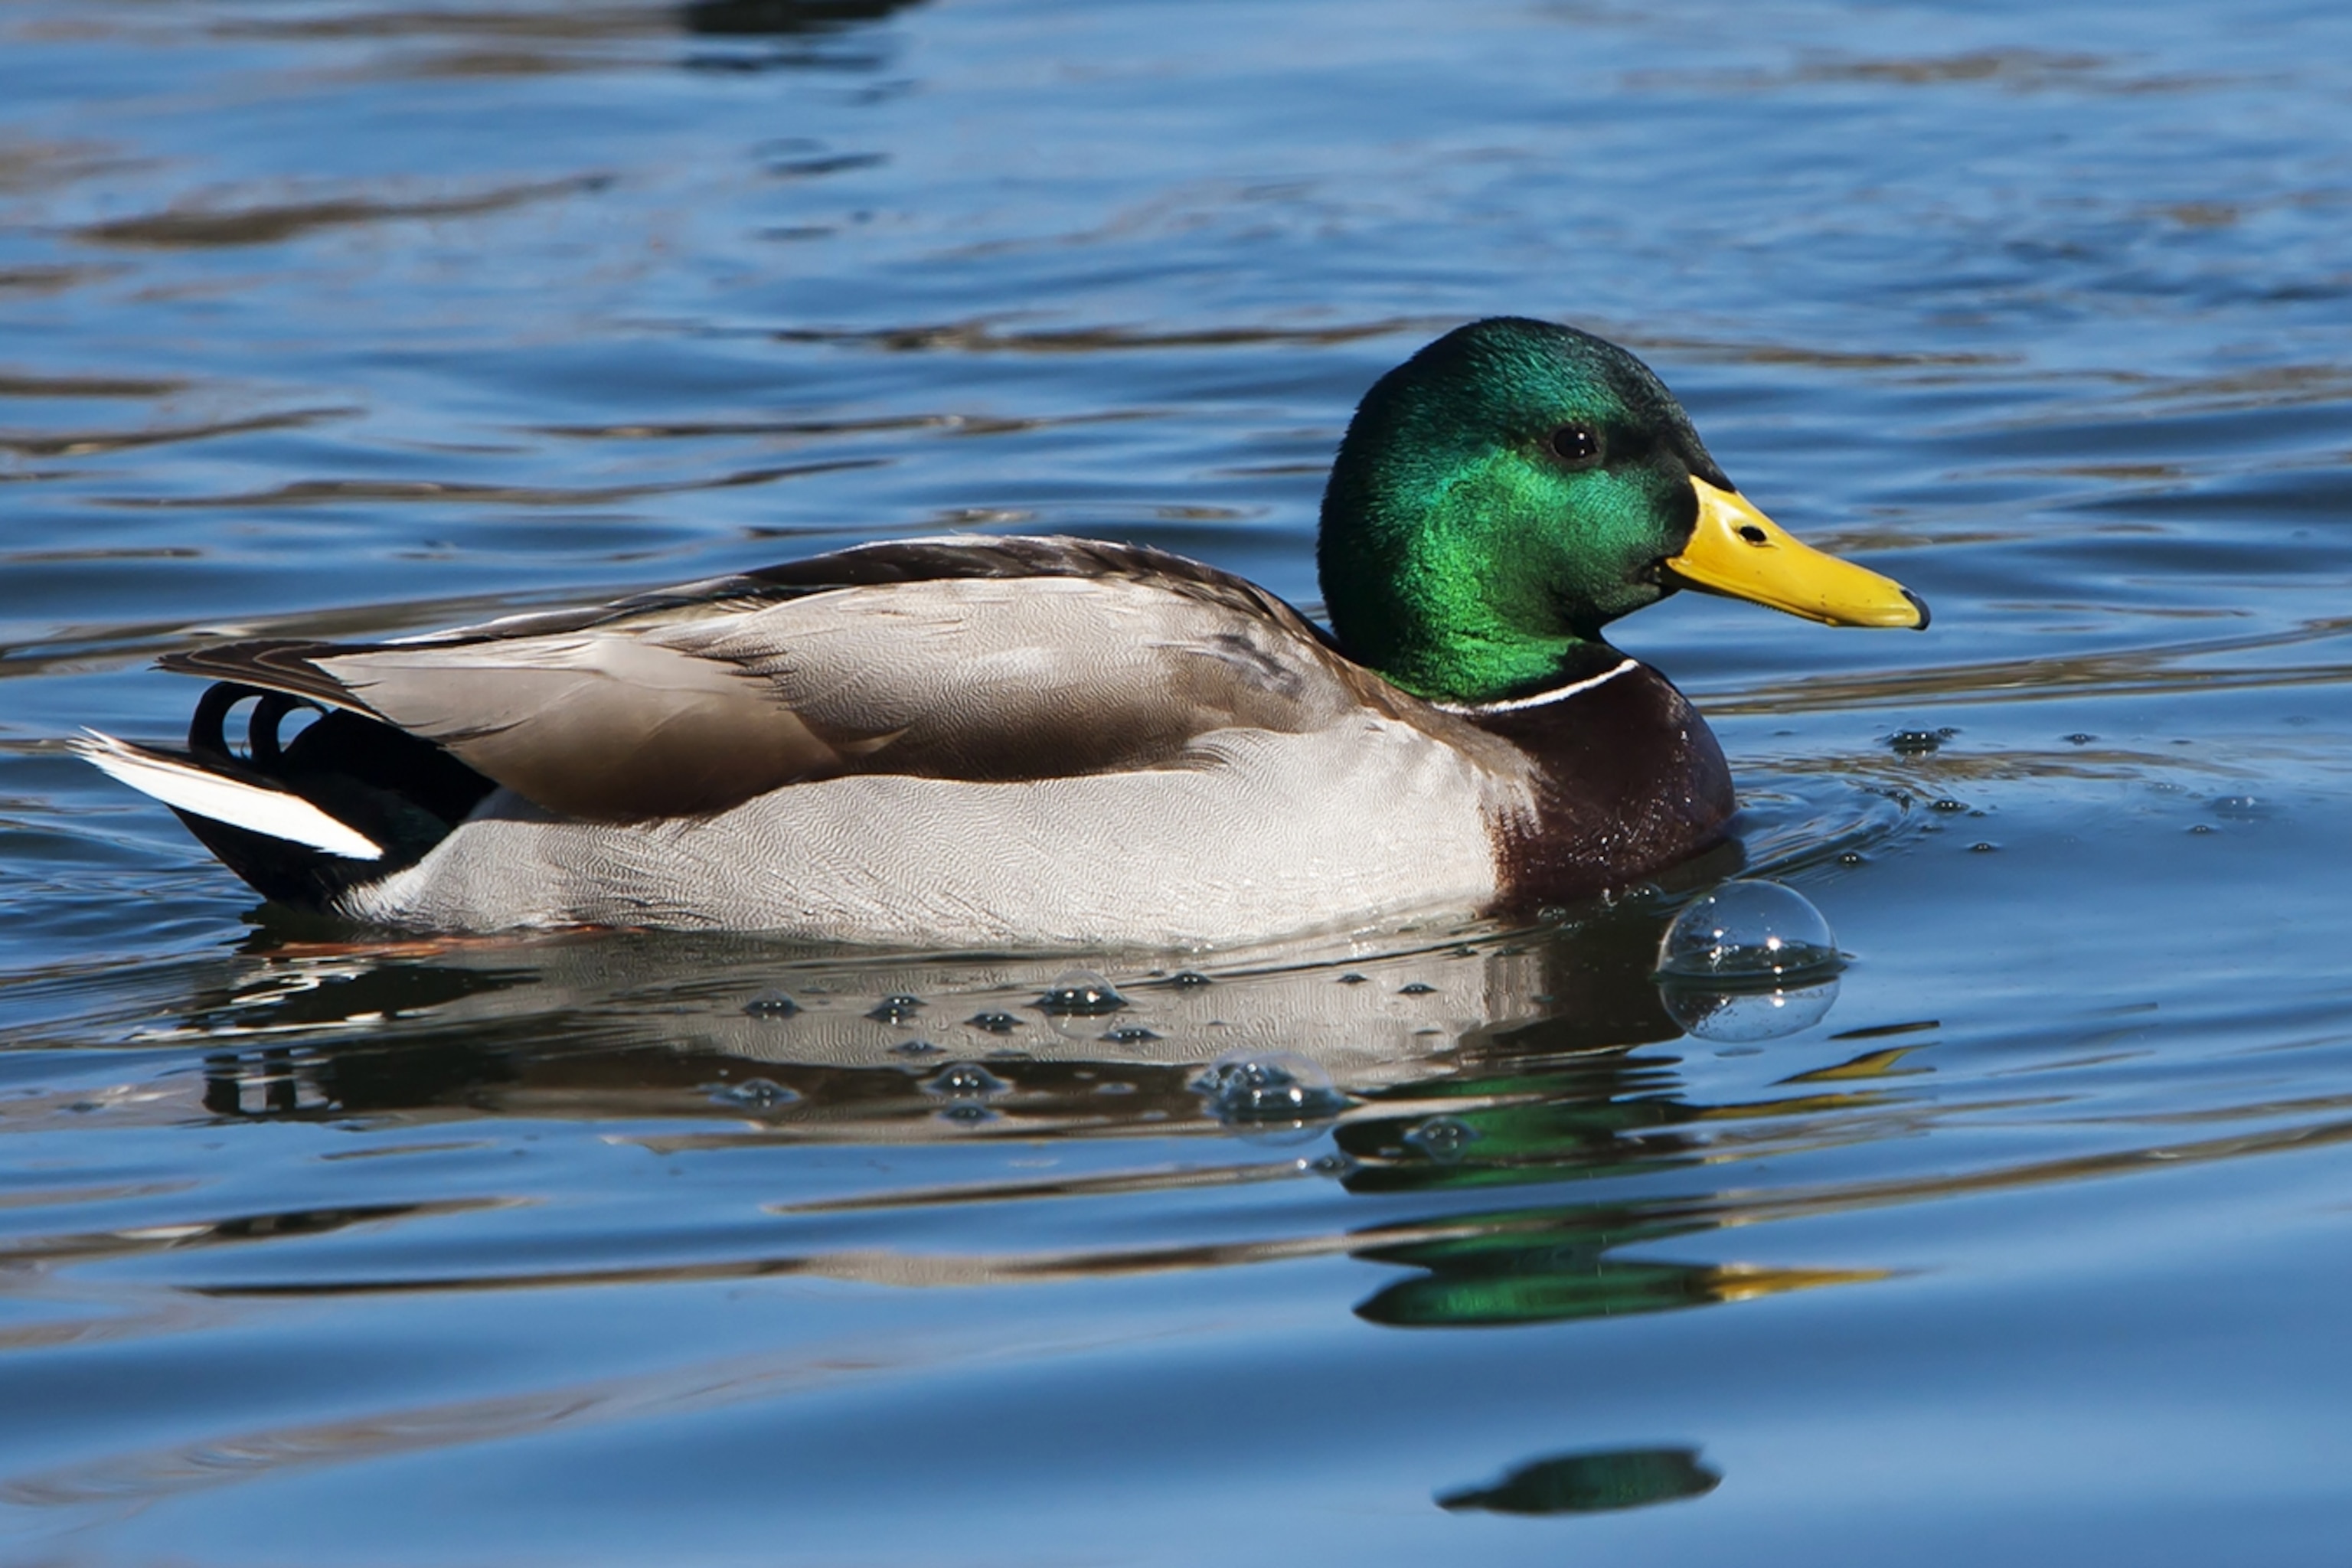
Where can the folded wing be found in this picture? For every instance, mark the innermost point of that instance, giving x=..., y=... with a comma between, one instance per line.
x=980, y=659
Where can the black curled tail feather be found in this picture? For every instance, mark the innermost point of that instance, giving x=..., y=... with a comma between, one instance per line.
x=404, y=793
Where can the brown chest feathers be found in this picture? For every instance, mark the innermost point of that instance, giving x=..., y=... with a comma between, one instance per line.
x=1628, y=781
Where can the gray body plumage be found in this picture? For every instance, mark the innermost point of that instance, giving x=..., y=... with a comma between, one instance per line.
x=970, y=742
x=1246, y=837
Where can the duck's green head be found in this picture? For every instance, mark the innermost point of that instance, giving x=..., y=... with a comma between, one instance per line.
x=1516, y=485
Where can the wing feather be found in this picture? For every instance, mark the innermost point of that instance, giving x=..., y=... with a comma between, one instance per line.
x=984, y=659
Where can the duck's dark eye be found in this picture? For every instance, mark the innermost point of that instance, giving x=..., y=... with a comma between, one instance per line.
x=1578, y=446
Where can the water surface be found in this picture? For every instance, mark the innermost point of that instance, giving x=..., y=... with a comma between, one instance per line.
x=349, y=319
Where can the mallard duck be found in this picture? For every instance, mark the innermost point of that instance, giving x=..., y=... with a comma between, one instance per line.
x=1054, y=742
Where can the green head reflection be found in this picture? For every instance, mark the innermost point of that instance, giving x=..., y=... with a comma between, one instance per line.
x=1592, y=1483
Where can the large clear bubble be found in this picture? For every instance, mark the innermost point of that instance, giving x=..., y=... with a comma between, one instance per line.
x=1751, y=961
x=1744, y=1018
x=1747, y=935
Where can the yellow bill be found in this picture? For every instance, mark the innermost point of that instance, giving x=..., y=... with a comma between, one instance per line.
x=1738, y=551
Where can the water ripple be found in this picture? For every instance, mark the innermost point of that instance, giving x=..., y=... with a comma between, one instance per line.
x=209, y=224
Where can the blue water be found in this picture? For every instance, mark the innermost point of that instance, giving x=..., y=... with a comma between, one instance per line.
x=332, y=319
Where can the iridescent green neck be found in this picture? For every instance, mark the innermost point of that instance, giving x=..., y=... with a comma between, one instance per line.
x=1435, y=611
x=1513, y=488
x=1434, y=574
x=1498, y=500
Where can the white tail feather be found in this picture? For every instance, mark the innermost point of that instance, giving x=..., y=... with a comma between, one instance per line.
x=274, y=813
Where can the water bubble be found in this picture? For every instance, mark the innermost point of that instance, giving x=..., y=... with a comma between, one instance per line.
x=1852, y=857
x=966, y=1081
x=1947, y=804
x=1191, y=979
x=1751, y=961
x=771, y=1004
x=1130, y=1035
x=1918, y=743
x=2203, y=827
x=757, y=1092
x=1982, y=846
x=1442, y=1138
x=2080, y=739
x=1752, y=935
x=1337, y=1165
x=914, y=1048
x=1416, y=988
x=1263, y=1089
x=1352, y=978
x=1742, y=1017
x=995, y=1023
x=2240, y=807
x=1080, y=992
x=966, y=1112
x=897, y=1008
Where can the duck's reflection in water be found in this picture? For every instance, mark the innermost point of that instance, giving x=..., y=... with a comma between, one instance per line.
x=768, y=17
x=1591, y=1483
x=1427, y=1074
